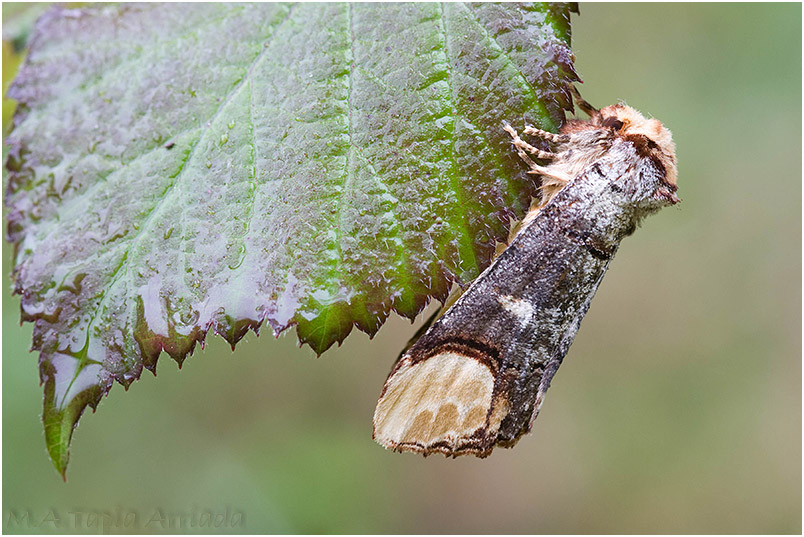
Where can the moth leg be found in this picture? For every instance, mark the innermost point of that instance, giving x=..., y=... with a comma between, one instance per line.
x=518, y=145
x=524, y=156
x=536, y=169
x=546, y=135
x=587, y=108
x=561, y=178
x=522, y=146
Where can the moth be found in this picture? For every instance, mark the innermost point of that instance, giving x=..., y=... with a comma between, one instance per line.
x=476, y=378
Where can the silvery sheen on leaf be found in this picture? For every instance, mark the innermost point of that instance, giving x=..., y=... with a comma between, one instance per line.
x=175, y=169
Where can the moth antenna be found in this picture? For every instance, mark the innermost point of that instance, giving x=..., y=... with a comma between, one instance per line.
x=587, y=108
x=522, y=146
x=546, y=135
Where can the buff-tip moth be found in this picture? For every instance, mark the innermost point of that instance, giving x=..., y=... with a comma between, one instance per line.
x=477, y=377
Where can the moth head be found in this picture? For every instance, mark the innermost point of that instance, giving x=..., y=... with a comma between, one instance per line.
x=654, y=145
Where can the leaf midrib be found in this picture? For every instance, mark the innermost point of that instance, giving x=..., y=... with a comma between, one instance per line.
x=115, y=277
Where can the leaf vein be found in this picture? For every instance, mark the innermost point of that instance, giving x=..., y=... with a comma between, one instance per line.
x=510, y=61
x=345, y=184
x=470, y=254
x=115, y=277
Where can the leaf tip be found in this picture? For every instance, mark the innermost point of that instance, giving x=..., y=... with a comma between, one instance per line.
x=70, y=386
x=233, y=330
x=331, y=325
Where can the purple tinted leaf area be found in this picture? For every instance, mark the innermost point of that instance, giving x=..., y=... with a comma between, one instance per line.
x=178, y=169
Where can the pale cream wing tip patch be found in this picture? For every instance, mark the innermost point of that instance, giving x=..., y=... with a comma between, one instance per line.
x=440, y=404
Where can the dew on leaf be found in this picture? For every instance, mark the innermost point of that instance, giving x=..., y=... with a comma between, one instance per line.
x=296, y=101
x=238, y=260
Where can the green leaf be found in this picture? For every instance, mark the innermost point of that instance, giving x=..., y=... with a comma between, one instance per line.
x=177, y=169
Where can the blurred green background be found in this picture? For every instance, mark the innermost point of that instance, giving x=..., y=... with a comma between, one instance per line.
x=678, y=408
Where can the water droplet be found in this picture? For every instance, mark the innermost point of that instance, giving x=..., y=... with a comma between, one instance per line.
x=209, y=164
x=224, y=138
x=238, y=259
x=168, y=233
x=231, y=124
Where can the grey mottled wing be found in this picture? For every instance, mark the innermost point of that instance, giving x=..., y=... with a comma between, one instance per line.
x=476, y=378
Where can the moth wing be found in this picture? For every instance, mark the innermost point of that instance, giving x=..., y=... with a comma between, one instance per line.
x=476, y=378
x=450, y=392
x=444, y=403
